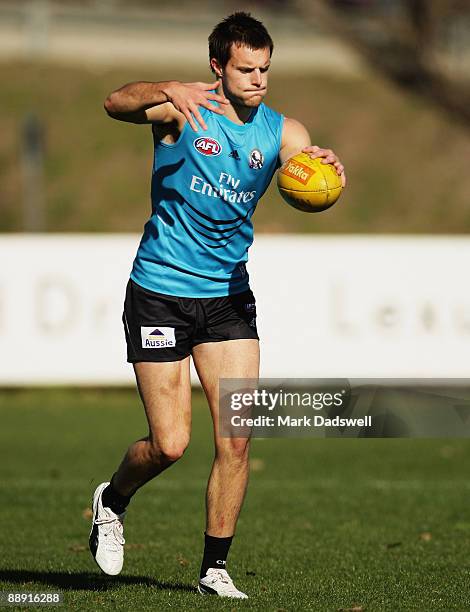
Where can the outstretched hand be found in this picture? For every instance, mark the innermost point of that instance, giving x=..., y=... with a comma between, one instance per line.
x=187, y=97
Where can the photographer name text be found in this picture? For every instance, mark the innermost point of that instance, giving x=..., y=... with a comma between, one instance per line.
x=305, y=421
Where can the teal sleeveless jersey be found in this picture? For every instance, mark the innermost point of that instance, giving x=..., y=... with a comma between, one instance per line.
x=205, y=188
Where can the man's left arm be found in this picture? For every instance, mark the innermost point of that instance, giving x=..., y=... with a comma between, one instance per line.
x=296, y=139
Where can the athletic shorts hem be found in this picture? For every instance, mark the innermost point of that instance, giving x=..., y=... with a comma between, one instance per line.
x=155, y=359
x=211, y=341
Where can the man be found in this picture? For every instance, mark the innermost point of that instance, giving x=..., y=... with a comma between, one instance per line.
x=216, y=147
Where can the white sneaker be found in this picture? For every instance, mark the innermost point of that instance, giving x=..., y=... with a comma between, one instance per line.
x=218, y=582
x=106, y=536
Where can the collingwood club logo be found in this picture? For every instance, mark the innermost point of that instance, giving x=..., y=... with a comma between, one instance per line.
x=256, y=159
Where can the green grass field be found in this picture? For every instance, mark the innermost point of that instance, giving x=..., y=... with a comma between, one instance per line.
x=327, y=525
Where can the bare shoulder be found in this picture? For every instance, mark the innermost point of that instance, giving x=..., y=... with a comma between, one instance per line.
x=294, y=138
x=293, y=130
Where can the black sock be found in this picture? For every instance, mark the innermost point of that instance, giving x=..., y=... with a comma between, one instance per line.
x=215, y=553
x=114, y=500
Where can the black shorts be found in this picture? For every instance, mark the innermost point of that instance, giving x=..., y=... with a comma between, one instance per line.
x=162, y=327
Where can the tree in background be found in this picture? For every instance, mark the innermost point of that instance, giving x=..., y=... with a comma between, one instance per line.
x=418, y=44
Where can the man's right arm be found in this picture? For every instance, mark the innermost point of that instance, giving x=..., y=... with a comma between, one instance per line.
x=164, y=102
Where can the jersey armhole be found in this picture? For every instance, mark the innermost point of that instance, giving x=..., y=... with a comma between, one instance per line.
x=279, y=141
x=275, y=122
x=158, y=142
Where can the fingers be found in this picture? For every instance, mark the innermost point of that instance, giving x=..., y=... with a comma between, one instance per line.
x=204, y=102
x=190, y=119
x=209, y=86
x=315, y=152
x=340, y=172
x=311, y=149
x=211, y=107
x=339, y=167
x=328, y=158
x=193, y=115
x=217, y=98
x=191, y=96
x=197, y=115
x=212, y=96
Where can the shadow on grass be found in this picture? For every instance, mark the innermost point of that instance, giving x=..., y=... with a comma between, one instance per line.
x=86, y=581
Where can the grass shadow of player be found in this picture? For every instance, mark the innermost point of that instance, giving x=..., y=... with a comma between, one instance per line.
x=84, y=581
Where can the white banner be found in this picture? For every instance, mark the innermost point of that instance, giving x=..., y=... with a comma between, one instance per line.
x=339, y=306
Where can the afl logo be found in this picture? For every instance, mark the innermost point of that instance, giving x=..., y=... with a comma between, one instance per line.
x=207, y=146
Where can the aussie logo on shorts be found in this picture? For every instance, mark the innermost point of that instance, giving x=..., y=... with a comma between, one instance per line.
x=157, y=337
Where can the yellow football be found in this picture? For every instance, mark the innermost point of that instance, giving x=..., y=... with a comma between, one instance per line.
x=307, y=184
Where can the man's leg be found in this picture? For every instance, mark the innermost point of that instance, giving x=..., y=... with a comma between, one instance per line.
x=229, y=476
x=165, y=391
x=166, y=395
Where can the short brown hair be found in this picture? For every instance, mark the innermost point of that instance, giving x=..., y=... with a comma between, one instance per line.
x=242, y=29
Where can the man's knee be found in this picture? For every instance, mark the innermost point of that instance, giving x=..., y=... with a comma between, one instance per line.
x=168, y=450
x=233, y=449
